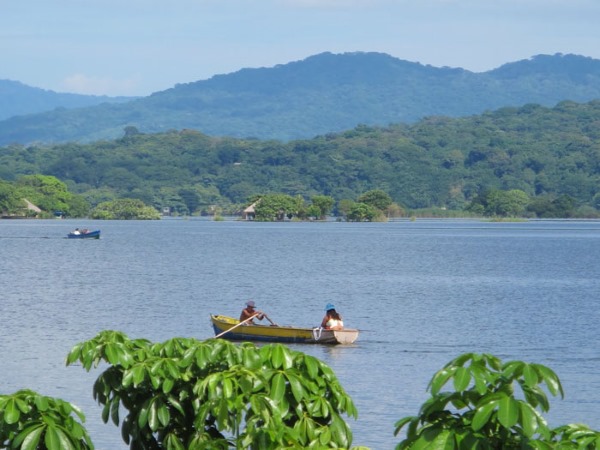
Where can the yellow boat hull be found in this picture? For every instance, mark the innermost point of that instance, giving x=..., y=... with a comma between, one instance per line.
x=230, y=328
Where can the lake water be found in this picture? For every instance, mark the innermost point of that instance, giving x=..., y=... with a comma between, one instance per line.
x=422, y=293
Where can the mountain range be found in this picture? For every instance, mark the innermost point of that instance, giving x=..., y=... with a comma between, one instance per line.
x=18, y=99
x=321, y=94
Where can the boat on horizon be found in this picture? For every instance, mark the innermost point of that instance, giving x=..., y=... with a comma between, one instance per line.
x=84, y=234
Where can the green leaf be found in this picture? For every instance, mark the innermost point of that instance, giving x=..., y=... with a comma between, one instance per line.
x=106, y=412
x=65, y=442
x=143, y=416
x=551, y=379
x=223, y=414
x=164, y=416
x=114, y=411
x=530, y=375
x=74, y=354
x=173, y=370
x=167, y=385
x=29, y=438
x=529, y=421
x=312, y=366
x=400, y=424
x=480, y=376
x=482, y=415
x=297, y=388
x=440, y=379
x=288, y=359
x=173, y=442
x=462, y=378
x=176, y=404
x=41, y=403
x=153, y=421
x=51, y=438
x=325, y=437
x=492, y=361
x=112, y=353
x=277, y=356
x=12, y=413
x=127, y=378
x=277, y=387
x=508, y=412
x=513, y=369
x=435, y=439
x=32, y=440
x=139, y=372
x=462, y=359
x=227, y=388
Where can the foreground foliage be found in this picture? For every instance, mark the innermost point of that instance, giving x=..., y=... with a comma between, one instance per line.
x=189, y=394
x=30, y=421
x=484, y=411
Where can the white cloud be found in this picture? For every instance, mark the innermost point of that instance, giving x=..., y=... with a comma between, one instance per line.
x=79, y=83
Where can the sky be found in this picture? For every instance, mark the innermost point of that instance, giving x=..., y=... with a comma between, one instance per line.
x=137, y=47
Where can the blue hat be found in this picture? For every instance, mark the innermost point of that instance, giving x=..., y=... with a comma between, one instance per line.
x=329, y=307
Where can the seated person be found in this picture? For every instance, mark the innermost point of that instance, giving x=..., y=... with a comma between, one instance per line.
x=332, y=320
x=249, y=311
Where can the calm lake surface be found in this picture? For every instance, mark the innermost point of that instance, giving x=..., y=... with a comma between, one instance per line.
x=422, y=293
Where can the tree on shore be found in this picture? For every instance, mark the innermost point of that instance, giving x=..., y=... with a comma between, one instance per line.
x=124, y=209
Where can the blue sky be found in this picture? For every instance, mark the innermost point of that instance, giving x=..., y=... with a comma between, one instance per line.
x=136, y=47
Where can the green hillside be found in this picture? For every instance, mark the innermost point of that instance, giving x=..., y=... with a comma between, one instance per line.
x=17, y=99
x=321, y=94
x=436, y=162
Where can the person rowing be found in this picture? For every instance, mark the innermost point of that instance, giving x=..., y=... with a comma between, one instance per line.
x=249, y=313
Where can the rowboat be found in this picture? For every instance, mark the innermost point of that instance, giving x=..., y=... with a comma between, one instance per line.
x=84, y=234
x=277, y=333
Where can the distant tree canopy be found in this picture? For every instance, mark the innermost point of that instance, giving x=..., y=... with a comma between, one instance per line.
x=124, y=209
x=10, y=200
x=377, y=199
x=321, y=206
x=499, y=203
x=46, y=192
x=549, y=155
x=278, y=207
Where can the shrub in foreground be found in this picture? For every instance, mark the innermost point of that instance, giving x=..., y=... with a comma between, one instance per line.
x=492, y=405
x=189, y=394
x=30, y=421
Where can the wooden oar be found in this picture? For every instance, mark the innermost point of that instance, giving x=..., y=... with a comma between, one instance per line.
x=269, y=319
x=235, y=326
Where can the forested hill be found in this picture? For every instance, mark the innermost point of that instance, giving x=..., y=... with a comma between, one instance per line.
x=17, y=99
x=323, y=93
x=436, y=162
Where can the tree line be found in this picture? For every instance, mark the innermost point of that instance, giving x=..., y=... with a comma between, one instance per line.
x=549, y=155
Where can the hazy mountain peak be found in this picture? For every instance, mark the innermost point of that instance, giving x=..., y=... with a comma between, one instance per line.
x=323, y=93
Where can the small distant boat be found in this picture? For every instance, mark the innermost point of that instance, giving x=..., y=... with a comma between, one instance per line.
x=84, y=234
x=231, y=329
